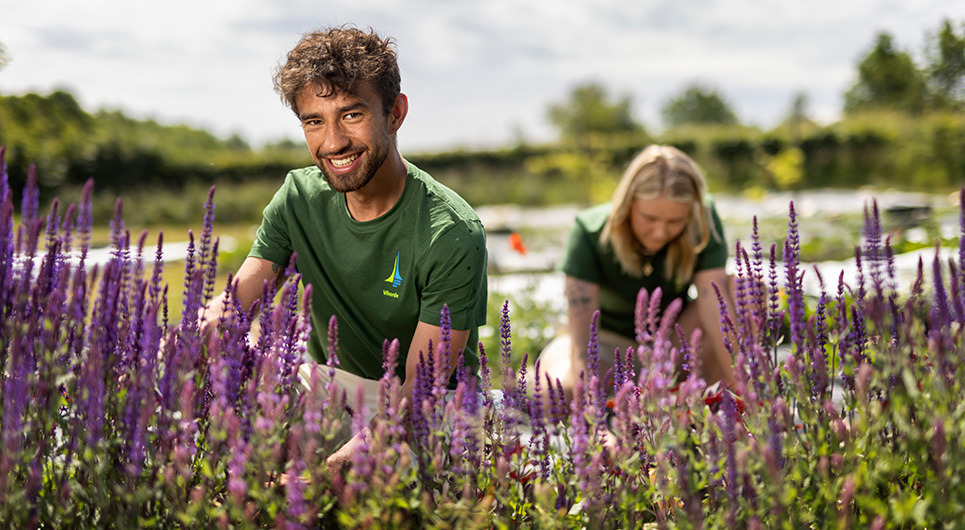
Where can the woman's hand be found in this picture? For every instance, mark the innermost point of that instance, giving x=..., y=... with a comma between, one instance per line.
x=716, y=364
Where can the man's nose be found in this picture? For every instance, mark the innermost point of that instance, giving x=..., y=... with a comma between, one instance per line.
x=336, y=139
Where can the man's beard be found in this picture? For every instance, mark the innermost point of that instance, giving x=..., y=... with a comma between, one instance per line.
x=356, y=180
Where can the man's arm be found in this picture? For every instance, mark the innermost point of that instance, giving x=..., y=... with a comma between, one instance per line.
x=249, y=285
x=420, y=342
x=340, y=460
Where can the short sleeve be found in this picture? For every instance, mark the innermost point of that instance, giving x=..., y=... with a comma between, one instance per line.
x=581, y=257
x=456, y=277
x=272, y=241
x=714, y=255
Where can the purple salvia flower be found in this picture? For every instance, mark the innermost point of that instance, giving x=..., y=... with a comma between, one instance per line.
x=726, y=324
x=266, y=327
x=774, y=452
x=540, y=440
x=857, y=338
x=363, y=465
x=940, y=315
x=208, y=257
x=471, y=402
x=593, y=346
x=458, y=450
x=14, y=401
x=629, y=373
x=443, y=365
x=729, y=407
x=757, y=251
x=689, y=351
x=92, y=384
x=873, y=248
x=561, y=502
x=505, y=359
x=485, y=374
x=814, y=354
x=134, y=373
x=961, y=253
x=85, y=219
x=690, y=499
x=510, y=401
x=237, y=485
x=640, y=316
x=669, y=317
x=579, y=441
x=847, y=496
x=505, y=335
x=818, y=334
x=552, y=406
x=774, y=313
x=561, y=403
x=619, y=369
x=6, y=248
x=940, y=320
x=29, y=208
x=333, y=341
x=954, y=285
x=187, y=345
x=795, y=294
x=653, y=312
x=295, y=488
x=287, y=330
x=860, y=291
x=521, y=391
x=421, y=391
x=892, y=287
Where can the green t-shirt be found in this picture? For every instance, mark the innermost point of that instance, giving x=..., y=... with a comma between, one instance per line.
x=380, y=277
x=585, y=259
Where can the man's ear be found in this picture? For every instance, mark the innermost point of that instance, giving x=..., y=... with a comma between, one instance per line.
x=397, y=115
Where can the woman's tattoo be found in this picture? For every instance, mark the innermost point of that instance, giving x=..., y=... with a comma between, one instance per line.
x=577, y=295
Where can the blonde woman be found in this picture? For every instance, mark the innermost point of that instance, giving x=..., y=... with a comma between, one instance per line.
x=660, y=230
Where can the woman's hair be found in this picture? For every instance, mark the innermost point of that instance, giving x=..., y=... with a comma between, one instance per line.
x=335, y=59
x=660, y=171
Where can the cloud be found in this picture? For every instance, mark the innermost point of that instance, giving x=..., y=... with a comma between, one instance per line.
x=474, y=71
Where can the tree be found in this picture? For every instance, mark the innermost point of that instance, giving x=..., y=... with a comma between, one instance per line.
x=698, y=105
x=887, y=78
x=4, y=57
x=589, y=109
x=946, y=66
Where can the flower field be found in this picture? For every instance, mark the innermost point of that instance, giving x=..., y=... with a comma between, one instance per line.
x=849, y=411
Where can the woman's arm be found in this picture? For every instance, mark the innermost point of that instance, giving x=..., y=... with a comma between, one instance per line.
x=717, y=364
x=582, y=300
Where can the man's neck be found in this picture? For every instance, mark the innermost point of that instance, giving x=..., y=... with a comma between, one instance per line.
x=381, y=193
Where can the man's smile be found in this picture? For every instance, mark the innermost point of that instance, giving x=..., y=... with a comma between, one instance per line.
x=344, y=162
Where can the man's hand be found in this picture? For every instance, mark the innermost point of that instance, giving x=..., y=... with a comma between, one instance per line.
x=340, y=461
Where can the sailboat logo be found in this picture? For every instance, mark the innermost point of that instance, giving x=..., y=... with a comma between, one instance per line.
x=395, y=278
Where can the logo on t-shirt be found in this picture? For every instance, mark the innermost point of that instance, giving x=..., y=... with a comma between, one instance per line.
x=395, y=278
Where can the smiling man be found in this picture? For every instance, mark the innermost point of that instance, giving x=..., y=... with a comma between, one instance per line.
x=383, y=245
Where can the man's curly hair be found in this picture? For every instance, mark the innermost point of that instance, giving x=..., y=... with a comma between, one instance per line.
x=336, y=59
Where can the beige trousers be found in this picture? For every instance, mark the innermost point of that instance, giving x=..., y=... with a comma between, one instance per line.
x=345, y=381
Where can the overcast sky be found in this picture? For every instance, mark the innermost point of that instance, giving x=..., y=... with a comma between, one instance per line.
x=478, y=73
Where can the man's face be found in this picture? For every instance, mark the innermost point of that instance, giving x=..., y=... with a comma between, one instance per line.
x=348, y=135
